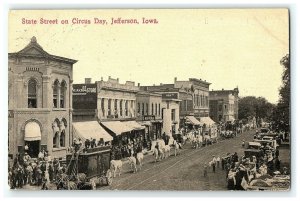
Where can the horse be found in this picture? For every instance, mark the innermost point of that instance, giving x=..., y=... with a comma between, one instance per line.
x=158, y=154
x=139, y=158
x=132, y=163
x=116, y=165
x=176, y=147
x=166, y=149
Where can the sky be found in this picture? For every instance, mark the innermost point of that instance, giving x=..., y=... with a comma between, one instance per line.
x=226, y=47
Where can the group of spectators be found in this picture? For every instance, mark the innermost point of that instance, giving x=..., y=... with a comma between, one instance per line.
x=127, y=147
x=38, y=171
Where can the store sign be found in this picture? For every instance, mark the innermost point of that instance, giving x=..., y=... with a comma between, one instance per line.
x=170, y=96
x=148, y=117
x=84, y=96
x=84, y=89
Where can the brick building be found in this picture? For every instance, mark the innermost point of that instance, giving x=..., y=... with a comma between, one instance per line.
x=40, y=101
x=224, y=105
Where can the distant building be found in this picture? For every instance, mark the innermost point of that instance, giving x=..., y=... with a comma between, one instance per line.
x=40, y=101
x=200, y=94
x=110, y=103
x=149, y=113
x=224, y=105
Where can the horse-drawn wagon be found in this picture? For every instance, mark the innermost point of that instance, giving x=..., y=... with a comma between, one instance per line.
x=88, y=169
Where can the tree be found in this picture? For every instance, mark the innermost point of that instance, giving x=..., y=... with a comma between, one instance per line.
x=251, y=106
x=281, y=114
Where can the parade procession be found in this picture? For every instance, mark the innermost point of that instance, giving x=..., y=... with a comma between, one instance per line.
x=72, y=129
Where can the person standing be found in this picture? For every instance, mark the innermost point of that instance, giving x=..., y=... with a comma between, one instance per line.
x=218, y=161
x=214, y=161
x=205, y=170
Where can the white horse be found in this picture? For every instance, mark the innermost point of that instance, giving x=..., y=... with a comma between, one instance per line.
x=176, y=147
x=158, y=153
x=132, y=163
x=140, y=158
x=116, y=165
x=167, y=151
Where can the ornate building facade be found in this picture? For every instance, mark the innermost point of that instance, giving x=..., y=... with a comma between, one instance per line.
x=40, y=101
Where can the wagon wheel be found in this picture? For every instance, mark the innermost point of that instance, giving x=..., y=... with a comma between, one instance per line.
x=109, y=177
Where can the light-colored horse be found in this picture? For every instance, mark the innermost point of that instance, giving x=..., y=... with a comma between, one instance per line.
x=116, y=165
x=140, y=158
x=132, y=163
x=158, y=153
x=176, y=147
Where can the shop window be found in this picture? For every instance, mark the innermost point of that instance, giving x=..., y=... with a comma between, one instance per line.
x=55, y=94
x=62, y=94
x=32, y=95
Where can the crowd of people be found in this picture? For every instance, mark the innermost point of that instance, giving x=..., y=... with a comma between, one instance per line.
x=34, y=171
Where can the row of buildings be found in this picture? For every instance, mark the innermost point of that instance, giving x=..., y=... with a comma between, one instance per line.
x=47, y=111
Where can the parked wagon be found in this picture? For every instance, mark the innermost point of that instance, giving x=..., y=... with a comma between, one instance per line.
x=95, y=164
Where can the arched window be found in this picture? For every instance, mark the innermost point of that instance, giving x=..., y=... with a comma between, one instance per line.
x=32, y=95
x=55, y=94
x=62, y=139
x=63, y=94
x=55, y=127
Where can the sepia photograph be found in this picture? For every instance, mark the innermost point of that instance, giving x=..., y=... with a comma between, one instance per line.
x=149, y=99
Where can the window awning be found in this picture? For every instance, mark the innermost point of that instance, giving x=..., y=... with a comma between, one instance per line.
x=32, y=132
x=134, y=125
x=90, y=129
x=193, y=120
x=207, y=121
x=117, y=127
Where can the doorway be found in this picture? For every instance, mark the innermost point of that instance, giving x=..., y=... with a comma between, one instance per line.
x=33, y=148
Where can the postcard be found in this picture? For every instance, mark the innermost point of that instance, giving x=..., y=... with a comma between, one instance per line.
x=149, y=99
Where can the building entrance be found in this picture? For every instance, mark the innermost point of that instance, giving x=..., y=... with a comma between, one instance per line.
x=33, y=148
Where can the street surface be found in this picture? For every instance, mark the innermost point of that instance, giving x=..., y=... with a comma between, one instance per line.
x=183, y=172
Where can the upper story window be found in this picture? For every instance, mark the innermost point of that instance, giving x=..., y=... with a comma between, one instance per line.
x=173, y=114
x=32, y=94
x=126, y=108
x=143, y=109
x=121, y=107
x=146, y=109
x=159, y=109
x=109, y=106
x=155, y=109
x=152, y=108
x=55, y=94
x=63, y=94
